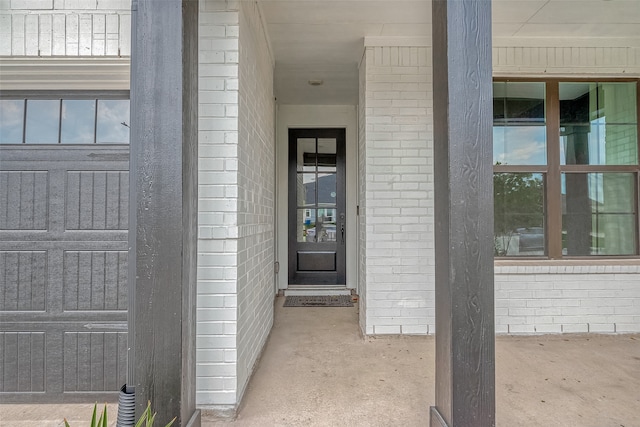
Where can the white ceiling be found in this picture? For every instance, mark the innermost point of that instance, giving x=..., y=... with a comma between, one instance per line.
x=324, y=39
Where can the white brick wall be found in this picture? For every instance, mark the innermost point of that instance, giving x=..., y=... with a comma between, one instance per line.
x=396, y=196
x=236, y=200
x=362, y=192
x=218, y=228
x=256, y=184
x=65, y=28
x=564, y=298
x=396, y=164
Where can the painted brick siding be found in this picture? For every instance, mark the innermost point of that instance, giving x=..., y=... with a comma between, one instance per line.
x=362, y=192
x=567, y=298
x=218, y=230
x=560, y=296
x=397, y=297
x=256, y=195
x=236, y=196
x=65, y=28
x=397, y=174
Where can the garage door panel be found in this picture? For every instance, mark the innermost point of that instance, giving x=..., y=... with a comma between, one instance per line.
x=63, y=272
x=24, y=197
x=108, y=239
x=95, y=280
x=97, y=200
x=23, y=277
x=22, y=354
x=94, y=361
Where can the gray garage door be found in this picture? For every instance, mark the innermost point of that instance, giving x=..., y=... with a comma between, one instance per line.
x=63, y=271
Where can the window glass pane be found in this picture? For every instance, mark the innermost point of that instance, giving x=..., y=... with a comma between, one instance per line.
x=78, y=121
x=518, y=214
x=598, y=124
x=306, y=225
x=519, y=124
x=599, y=215
x=306, y=189
x=306, y=154
x=326, y=189
x=43, y=121
x=11, y=121
x=327, y=154
x=326, y=225
x=113, y=122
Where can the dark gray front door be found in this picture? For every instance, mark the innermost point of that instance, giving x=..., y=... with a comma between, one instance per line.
x=317, y=206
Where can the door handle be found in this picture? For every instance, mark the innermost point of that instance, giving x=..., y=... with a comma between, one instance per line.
x=342, y=231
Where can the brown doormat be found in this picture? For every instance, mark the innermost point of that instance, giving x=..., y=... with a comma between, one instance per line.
x=318, y=301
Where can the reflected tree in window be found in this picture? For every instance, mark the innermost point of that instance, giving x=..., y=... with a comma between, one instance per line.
x=518, y=214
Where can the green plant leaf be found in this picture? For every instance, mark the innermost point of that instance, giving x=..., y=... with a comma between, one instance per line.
x=148, y=418
x=93, y=417
x=66, y=424
x=102, y=422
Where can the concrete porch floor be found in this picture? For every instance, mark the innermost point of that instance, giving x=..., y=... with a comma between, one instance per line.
x=317, y=370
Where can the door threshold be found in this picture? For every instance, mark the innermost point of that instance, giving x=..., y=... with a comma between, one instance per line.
x=316, y=290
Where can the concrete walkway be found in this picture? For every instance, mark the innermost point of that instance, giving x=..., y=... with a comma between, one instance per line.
x=317, y=370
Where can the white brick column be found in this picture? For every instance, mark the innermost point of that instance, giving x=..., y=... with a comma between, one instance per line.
x=396, y=179
x=218, y=206
x=236, y=194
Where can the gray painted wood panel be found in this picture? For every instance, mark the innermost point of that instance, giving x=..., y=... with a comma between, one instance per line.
x=22, y=358
x=22, y=280
x=97, y=200
x=23, y=200
x=94, y=361
x=63, y=272
x=95, y=280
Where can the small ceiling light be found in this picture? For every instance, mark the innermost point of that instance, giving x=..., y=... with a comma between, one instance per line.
x=316, y=82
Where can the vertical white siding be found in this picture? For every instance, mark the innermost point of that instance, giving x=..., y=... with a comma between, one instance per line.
x=42, y=28
x=568, y=61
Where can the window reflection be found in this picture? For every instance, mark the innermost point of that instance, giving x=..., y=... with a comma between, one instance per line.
x=326, y=189
x=518, y=214
x=519, y=129
x=316, y=189
x=43, y=121
x=78, y=121
x=11, y=121
x=598, y=124
x=306, y=189
x=316, y=225
x=598, y=215
x=306, y=154
x=112, y=125
x=66, y=121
